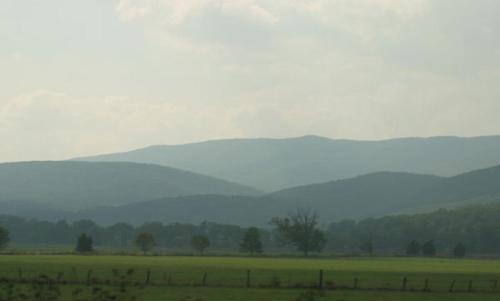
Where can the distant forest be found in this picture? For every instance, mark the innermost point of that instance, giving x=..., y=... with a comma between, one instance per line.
x=475, y=227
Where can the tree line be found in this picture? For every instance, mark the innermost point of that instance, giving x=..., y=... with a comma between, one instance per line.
x=472, y=230
x=174, y=237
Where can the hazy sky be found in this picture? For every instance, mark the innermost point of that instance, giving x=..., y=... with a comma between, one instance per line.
x=90, y=76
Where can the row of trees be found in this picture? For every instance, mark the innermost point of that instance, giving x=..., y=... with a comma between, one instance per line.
x=474, y=230
x=428, y=249
x=443, y=232
x=146, y=242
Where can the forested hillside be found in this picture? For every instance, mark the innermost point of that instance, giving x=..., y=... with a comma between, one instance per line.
x=372, y=195
x=274, y=164
x=476, y=227
x=78, y=185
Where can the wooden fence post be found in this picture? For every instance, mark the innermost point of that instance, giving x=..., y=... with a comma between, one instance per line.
x=204, y=280
x=452, y=285
x=320, y=280
x=20, y=274
x=248, y=279
x=403, y=285
x=426, y=285
x=469, y=288
x=89, y=276
x=75, y=274
x=495, y=284
x=148, y=276
x=355, y=283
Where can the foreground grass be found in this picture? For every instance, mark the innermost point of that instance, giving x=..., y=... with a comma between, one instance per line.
x=211, y=294
x=177, y=278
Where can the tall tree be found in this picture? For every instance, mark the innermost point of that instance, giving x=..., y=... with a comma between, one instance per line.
x=120, y=234
x=145, y=242
x=200, y=243
x=4, y=238
x=459, y=250
x=301, y=230
x=428, y=248
x=84, y=244
x=413, y=248
x=251, y=242
x=367, y=247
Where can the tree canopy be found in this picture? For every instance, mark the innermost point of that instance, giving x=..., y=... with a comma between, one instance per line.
x=200, y=243
x=4, y=238
x=145, y=242
x=251, y=242
x=84, y=244
x=301, y=230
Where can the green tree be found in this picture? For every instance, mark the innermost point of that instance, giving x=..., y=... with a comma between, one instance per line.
x=251, y=241
x=120, y=234
x=413, y=248
x=145, y=242
x=84, y=244
x=428, y=248
x=367, y=247
x=200, y=243
x=301, y=230
x=459, y=250
x=4, y=238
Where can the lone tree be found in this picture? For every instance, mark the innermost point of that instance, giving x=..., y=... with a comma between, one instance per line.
x=367, y=247
x=200, y=243
x=301, y=230
x=4, y=238
x=428, y=248
x=459, y=250
x=413, y=248
x=84, y=244
x=251, y=242
x=145, y=242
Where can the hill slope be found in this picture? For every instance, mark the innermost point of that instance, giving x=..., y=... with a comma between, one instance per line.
x=372, y=195
x=273, y=164
x=78, y=185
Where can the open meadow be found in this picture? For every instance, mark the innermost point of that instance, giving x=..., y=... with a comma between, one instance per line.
x=232, y=278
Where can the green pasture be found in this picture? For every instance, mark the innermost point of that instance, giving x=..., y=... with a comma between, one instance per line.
x=226, y=278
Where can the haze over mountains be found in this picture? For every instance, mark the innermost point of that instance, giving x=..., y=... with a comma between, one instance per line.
x=79, y=185
x=407, y=178
x=372, y=195
x=274, y=164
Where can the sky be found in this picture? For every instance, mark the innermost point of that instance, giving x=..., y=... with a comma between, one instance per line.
x=98, y=76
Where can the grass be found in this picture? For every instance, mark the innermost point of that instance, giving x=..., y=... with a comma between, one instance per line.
x=178, y=277
x=224, y=294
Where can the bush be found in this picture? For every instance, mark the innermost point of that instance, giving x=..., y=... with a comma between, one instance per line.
x=4, y=238
x=84, y=244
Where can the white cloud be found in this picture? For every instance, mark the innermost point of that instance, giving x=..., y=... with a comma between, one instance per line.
x=130, y=10
x=178, y=11
x=187, y=70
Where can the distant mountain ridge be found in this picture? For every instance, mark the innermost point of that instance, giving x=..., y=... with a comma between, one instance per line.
x=275, y=164
x=372, y=195
x=79, y=185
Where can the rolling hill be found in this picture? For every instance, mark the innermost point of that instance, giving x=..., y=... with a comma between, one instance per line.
x=371, y=195
x=274, y=164
x=79, y=185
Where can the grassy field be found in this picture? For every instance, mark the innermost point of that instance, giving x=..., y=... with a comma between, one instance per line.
x=225, y=278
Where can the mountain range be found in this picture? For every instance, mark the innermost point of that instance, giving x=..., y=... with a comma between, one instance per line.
x=78, y=185
x=275, y=164
x=372, y=195
x=410, y=175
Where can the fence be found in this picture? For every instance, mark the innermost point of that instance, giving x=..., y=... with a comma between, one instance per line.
x=292, y=279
